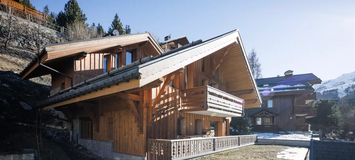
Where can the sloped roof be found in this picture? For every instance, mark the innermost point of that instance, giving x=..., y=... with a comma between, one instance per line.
x=294, y=79
x=264, y=109
x=182, y=40
x=164, y=64
x=73, y=48
x=294, y=83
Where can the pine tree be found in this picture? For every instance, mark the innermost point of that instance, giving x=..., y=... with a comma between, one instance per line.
x=72, y=13
x=27, y=3
x=127, y=29
x=46, y=10
x=100, y=30
x=49, y=16
x=254, y=65
x=116, y=25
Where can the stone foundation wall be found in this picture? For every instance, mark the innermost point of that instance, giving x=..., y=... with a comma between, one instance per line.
x=105, y=149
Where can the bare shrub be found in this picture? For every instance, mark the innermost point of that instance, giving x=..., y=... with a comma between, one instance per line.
x=78, y=31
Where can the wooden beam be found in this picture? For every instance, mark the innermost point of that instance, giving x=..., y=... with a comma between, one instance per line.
x=127, y=96
x=241, y=92
x=167, y=81
x=250, y=101
x=133, y=108
x=100, y=93
x=228, y=127
x=220, y=60
x=136, y=114
x=206, y=77
x=190, y=75
x=151, y=85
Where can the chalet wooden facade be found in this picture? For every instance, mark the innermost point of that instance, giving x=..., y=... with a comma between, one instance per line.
x=285, y=103
x=145, y=102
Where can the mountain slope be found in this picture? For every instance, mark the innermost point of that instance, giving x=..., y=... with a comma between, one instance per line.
x=341, y=85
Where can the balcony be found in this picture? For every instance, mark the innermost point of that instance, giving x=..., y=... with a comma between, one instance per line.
x=304, y=110
x=207, y=100
x=162, y=149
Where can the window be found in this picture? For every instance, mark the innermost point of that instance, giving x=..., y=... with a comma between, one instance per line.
x=129, y=58
x=117, y=60
x=105, y=64
x=269, y=104
x=62, y=86
x=179, y=127
x=267, y=121
x=258, y=120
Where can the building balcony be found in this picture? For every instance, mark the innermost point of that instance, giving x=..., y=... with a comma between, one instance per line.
x=304, y=110
x=207, y=100
x=162, y=149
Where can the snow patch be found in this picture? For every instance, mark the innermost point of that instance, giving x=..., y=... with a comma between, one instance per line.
x=283, y=136
x=293, y=153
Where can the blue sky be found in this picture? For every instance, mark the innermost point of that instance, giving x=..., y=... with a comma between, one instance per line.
x=307, y=37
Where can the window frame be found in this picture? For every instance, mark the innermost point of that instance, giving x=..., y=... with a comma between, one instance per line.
x=272, y=103
x=256, y=121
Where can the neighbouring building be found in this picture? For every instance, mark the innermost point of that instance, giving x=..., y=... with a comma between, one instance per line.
x=285, y=103
x=126, y=98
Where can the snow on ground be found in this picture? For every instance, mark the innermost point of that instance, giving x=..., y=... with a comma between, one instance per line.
x=293, y=153
x=283, y=136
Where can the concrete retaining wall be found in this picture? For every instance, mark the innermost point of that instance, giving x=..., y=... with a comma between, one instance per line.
x=299, y=143
x=105, y=149
x=17, y=156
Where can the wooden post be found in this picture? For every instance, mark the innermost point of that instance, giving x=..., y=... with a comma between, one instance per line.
x=190, y=76
x=227, y=128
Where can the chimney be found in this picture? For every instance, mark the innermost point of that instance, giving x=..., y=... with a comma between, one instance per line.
x=168, y=37
x=288, y=73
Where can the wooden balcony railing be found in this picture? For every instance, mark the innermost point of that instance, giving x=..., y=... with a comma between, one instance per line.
x=206, y=98
x=307, y=111
x=162, y=149
x=23, y=8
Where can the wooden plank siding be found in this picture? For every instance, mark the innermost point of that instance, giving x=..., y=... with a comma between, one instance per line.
x=118, y=120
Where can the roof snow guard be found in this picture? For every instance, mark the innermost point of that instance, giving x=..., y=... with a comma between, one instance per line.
x=143, y=72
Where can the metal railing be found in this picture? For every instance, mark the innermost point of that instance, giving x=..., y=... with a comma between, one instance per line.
x=205, y=97
x=163, y=149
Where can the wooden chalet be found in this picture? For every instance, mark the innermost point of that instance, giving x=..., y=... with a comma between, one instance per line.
x=127, y=98
x=285, y=103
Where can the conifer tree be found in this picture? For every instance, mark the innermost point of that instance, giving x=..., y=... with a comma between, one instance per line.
x=72, y=13
x=255, y=66
x=100, y=30
x=27, y=3
x=116, y=25
x=127, y=29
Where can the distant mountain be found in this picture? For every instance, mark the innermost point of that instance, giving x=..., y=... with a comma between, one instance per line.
x=336, y=88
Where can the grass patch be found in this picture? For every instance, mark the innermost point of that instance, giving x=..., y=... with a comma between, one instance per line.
x=257, y=152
